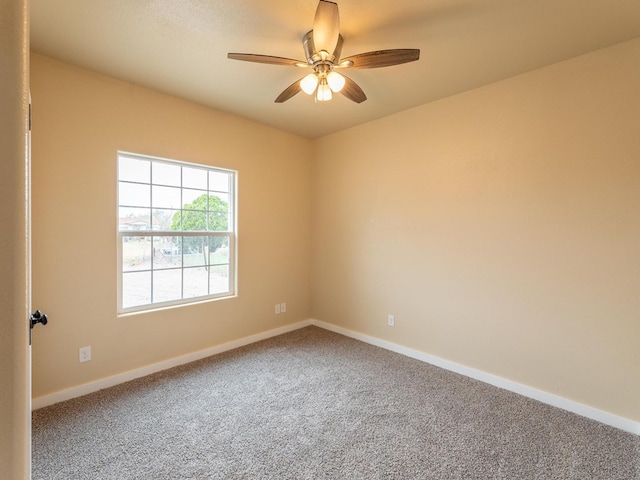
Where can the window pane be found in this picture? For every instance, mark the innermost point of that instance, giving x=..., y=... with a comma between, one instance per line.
x=134, y=170
x=167, y=285
x=194, y=221
x=136, y=289
x=196, y=250
x=194, y=199
x=164, y=219
x=194, y=178
x=195, y=282
x=136, y=253
x=219, y=216
x=218, y=181
x=165, y=174
x=167, y=252
x=131, y=219
x=219, y=279
x=166, y=197
x=218, y=222
x=218, y=250
x=219, y=202
x=134, y=195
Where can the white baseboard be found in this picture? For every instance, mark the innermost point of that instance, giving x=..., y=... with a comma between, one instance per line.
x=607, y=418
x=581, y=409
x=107, y=382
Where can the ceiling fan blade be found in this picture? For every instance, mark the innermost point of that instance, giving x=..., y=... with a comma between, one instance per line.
x=268, y=59
x=289, y=92
x=382, y=58
x=326, y=26
x=352, y=91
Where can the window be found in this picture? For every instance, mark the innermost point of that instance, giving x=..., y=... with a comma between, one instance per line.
x=176, y=232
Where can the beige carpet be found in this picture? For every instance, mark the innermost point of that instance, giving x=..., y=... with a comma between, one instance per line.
x=312, y=404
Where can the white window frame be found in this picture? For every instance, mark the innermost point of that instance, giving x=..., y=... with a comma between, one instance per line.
x=229, y=234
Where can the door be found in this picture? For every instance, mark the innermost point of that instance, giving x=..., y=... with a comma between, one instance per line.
x=15, y=371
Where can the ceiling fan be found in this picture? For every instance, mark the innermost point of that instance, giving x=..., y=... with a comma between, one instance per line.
x=322, y=48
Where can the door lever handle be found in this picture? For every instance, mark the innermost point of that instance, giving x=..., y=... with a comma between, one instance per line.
x=37, y=317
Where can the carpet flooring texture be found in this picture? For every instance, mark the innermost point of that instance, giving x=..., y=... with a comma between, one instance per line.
x=312, y=404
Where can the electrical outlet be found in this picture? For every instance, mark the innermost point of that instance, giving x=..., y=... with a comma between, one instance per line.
x=277, y=308
x=85, y=354
x=391, y=320
x=283, y=307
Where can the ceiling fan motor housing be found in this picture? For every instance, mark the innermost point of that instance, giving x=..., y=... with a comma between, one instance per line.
x=313, y=57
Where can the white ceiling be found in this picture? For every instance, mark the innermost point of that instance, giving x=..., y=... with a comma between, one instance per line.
x=180, y=47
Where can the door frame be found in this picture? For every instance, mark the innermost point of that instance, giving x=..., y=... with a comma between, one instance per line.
x=15, y=358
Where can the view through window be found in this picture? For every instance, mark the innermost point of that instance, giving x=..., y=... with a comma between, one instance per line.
x=176, y=232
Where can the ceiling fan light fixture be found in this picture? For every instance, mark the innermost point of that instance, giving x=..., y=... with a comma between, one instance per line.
x=335, y=81
x=323, y=93
x=309, y=83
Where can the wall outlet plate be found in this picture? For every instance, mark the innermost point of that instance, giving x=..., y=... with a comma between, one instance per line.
x=84, y=354
x=391, y=320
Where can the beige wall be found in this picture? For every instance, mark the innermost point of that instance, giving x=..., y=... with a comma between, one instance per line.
x=500, y=226
x=80, y=121
x=15, y=419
